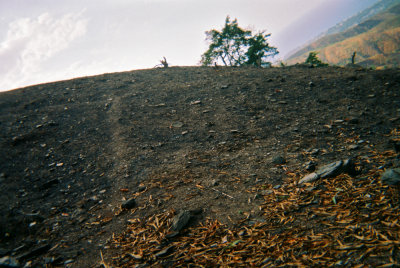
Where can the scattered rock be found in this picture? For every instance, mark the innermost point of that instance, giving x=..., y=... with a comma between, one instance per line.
x=391, y=176
x=8, y=261
x=195, y=102
x=267, y=192
x=278, y=160
x=214, y=182
x=310, y=166
x=129, y=204
x=181, y=220
x=353, y=120
x=330, y=170
x=314, y=152
x=177, y=124
x=353, y=147
x=69, y=261
x=141, y=188
x=309, y=178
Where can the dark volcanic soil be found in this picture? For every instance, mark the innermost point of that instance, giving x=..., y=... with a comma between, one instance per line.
x=183, y=137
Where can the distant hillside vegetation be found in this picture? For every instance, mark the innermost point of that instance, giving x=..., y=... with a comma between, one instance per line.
x=361, y=16
x=376, y=41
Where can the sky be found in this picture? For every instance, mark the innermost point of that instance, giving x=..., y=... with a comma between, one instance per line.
x=47, y=40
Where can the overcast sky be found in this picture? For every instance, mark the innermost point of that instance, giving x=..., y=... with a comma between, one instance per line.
x=51, y=40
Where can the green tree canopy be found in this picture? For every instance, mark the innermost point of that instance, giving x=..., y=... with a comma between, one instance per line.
x=234, y=46
x=313, y=59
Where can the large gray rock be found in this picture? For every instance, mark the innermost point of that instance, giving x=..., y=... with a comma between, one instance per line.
x=391, y=176
x=181, y=220
x=329, y=171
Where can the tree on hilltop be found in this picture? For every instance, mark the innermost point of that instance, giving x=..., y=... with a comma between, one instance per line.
x=234, y=46
x=313, y=60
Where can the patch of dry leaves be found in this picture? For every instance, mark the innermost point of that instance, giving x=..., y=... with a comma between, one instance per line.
x=342, y=221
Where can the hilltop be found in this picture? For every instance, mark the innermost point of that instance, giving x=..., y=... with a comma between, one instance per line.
x=376, y=40
x=222, y=147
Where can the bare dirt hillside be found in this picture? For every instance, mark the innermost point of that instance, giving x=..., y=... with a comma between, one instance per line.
x=222, y=148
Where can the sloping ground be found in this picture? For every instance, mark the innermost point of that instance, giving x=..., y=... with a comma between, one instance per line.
x=342, y=221
x=226, y=145
x=376, y=42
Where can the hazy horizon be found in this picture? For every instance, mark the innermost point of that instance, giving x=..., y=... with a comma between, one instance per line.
x=45, y=40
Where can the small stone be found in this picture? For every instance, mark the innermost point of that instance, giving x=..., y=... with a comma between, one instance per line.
x=353, y=120
x=309, y=178
x=141, y=188
x=214, y=182
x=128, y=204
x=314, y=152
x=181, y=220
x=310, y=166
x=353, y=147
x=177, y=124
x=195, y=102
x=68, y=262
x=278, y=160
x=391, y=176
x=310, y=189
x=311, y=84
x=8, y=261
x=267, y=192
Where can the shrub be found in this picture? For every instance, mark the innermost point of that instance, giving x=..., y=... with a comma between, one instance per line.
x=314, y=60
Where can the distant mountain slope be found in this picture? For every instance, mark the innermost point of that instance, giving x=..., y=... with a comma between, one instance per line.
x=360, y=17
x=376, y=41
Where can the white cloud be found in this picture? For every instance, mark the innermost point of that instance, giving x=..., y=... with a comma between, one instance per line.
x=31, y=41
